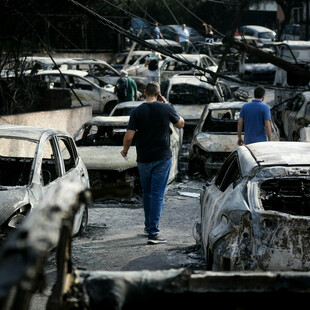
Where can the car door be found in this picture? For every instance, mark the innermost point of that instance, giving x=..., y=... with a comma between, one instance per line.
x=208, y=63
x=214, y=197
x=48, y=169
x=88, y=93
x=71, y=166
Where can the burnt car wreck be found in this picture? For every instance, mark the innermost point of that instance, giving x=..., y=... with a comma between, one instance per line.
x=215, y=136
x=255, y=213
x=33, y=160
x=100, y=141
x=29, y=246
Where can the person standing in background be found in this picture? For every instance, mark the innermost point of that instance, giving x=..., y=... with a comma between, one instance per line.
x=126, y=88
x=155, y=32
x=183, y=38
x=209, y=33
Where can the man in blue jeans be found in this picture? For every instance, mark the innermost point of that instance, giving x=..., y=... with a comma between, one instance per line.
x=149, y=124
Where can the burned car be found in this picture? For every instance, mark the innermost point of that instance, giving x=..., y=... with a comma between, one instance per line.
x=125, y=108
x=133, y=63
x=100, y=141
x=252, y=68
x=33, y=160
x=90, y=90
x=255, y=214
x=171, y=66
x=215, y=137
x=189, y=94
x=292, y=115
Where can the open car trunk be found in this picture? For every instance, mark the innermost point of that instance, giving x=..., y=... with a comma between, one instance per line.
x=286, y=195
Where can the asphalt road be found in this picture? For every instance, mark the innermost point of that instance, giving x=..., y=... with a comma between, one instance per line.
x=115, y=240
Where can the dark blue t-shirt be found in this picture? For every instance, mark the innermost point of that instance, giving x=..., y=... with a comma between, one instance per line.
x=254, y=115
x=151, y=122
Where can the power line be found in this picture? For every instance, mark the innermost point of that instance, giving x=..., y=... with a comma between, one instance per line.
x=171, y=12
x=119, y=29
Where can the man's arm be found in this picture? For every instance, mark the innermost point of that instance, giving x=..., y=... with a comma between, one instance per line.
x=180, y=123
x=127, y=141
x=268, y=129
x=239, y=130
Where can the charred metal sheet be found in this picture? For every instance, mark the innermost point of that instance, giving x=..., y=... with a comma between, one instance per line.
x=216, y=142
x=191, y=113
x=108, y=158
x=185, y=289
x=23, y=255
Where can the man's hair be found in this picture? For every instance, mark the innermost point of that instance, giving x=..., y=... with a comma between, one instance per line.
x=152, y=88
x=259, y=92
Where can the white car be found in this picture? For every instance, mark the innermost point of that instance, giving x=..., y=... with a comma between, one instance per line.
x=172, y=66
x=32, y=161
x=263, y=34
x=34, y=64
x=133, y=63
x=89, y=89
x=189, y=94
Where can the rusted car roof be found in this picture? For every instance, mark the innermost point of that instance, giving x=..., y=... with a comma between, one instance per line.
x=25, y=132
x=110, y=120
x=191, y=80
x=280, y=153
x=226, y=105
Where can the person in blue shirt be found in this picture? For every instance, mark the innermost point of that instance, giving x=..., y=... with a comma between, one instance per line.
x=255, y=117
x=155, y=32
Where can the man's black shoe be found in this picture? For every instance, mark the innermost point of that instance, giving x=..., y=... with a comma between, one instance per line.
x=155, y=239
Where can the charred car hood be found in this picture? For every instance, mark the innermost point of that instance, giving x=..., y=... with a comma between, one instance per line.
x=259, y=67
x=11, y=198
x=216, y=142
x=189, y=112
x=107, y=157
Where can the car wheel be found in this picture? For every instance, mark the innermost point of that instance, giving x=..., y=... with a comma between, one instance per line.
x=84, y=223
x=109, y=107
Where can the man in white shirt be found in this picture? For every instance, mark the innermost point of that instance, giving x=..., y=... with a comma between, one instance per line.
x=183, y=38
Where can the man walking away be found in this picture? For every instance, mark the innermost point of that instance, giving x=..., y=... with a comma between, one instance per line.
x=126, y=88
x=255, y=116
x=149, y=123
